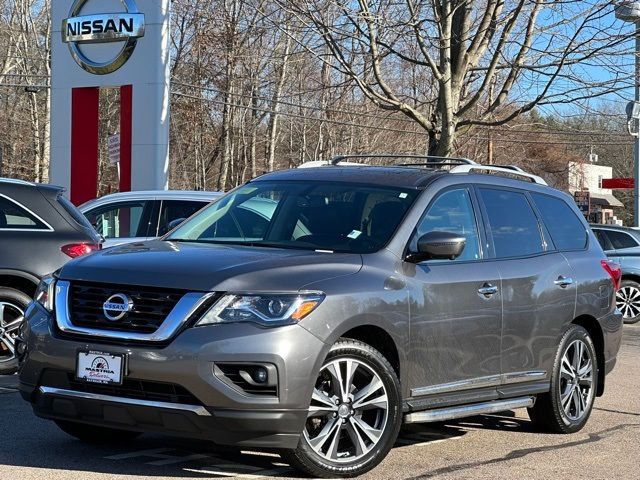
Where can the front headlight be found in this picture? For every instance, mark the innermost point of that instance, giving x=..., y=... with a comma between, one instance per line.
x=266, y=310
x=45, y=292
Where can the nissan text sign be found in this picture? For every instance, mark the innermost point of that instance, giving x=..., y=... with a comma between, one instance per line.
x=124, y=27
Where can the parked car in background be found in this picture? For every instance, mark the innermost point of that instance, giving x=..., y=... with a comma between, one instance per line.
x=313, y=311
x=137, y=216
x=40, y=230
x=622, y=245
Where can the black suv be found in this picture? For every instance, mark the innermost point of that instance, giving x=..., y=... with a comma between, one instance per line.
x=40, y=230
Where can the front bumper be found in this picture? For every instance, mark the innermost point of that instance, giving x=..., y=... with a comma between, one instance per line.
x=221, y=412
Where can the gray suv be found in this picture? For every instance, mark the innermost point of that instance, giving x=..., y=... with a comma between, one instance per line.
x=359, y=298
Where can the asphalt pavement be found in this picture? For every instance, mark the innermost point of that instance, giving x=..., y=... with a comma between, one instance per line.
x=484, y=447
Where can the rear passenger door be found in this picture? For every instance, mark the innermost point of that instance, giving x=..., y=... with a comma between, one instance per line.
x=538, y=289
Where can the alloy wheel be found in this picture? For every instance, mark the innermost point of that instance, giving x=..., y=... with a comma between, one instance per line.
x=628, y=301
x=349, y=411
x=576, y=380
x=11, y=316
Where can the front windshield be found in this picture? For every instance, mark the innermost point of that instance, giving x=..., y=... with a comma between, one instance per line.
x=337, y=217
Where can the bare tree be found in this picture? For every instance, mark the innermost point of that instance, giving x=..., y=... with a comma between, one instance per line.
x=533, y=52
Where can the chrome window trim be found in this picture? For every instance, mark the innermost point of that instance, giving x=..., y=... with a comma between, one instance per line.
x=38, y=217
x=60, y=392
x=183, y=310
x=481, y=382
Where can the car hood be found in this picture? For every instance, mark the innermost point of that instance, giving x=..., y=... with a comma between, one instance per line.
x=205, y=267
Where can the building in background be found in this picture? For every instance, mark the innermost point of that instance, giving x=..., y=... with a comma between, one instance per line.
x=598, y=204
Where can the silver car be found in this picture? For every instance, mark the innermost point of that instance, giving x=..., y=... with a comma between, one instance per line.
x=622, y=245
x=314, y=311
x=138, y=216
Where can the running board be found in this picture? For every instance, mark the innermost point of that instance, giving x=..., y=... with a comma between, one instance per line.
x=450, y=413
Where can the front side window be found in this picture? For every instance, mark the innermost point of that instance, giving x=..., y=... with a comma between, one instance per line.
x=513, y=225
x=331, y=216
x=621, y=240
x=122, y=220
x=15, y=217
x=452, y=212
x=565, y=228
x=175, y=210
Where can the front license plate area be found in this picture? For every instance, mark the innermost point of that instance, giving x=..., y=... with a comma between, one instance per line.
x=100, y=367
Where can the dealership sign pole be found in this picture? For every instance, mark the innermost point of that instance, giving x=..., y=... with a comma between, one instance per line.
x=109, y=44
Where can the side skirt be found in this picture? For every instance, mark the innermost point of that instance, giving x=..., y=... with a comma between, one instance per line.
x=450, y=413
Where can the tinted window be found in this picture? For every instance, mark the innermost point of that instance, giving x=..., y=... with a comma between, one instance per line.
x=123, y=220
x=512, y=223
x=452, y=212
x=603, y=240
x=176, y=209
x=331, y=216
x=13, y=216
x=565, y=228
x=621, y=240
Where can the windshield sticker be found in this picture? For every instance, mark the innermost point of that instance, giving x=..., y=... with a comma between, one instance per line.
x=404, y=195
x=247, y=190
x=354, y=234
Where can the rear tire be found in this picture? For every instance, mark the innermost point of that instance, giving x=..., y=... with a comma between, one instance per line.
x=355, y=414
x=574, y=383
x=13, y=304
x=93, y=434
x=628, y=301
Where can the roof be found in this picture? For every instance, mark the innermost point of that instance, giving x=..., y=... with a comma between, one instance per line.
x=406, y=177
x=633, y=230
x=23, y=184
x=605, y=199
x=153, y=195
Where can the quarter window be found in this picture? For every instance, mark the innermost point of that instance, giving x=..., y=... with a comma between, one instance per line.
x=566, y=230
x=452, y=212
x=512, y=223
x=14, y=217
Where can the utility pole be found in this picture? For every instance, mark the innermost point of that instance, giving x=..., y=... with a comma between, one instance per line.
x=629, y=11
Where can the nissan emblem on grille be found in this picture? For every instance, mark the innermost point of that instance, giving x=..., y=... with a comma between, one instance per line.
x=117, y=307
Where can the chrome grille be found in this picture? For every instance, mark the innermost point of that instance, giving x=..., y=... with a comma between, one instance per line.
x=151, y=306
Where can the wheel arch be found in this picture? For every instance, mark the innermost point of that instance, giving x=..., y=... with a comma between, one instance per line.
x=591, y=325
x=22, y=281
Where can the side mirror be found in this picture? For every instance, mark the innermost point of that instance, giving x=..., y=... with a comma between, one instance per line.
x=174, y=223
x=438, y=246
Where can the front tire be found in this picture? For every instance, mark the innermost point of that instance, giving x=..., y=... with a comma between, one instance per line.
x=13, y=304
x=355, y=414
x=574, y=383
x=628, y=301
x=94, y=434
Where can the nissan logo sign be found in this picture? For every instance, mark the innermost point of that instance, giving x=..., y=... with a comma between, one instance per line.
x=117, y=306
x=124, y=27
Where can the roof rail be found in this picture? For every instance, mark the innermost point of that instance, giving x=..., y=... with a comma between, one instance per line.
x=430, y=160
x=508, y=171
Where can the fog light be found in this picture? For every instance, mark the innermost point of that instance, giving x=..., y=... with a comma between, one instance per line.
x=260, y=375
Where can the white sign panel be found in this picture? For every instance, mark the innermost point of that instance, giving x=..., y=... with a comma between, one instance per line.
x=114, y=148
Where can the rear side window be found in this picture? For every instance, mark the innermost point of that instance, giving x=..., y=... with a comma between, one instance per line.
x=621, y=240
x=565, y=228
x=122, y=220
x=512, y=223
x=15, y=217
x=603, y=240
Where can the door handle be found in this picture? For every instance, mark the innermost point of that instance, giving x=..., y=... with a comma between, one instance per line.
x=488, y=290
x=563, y=282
